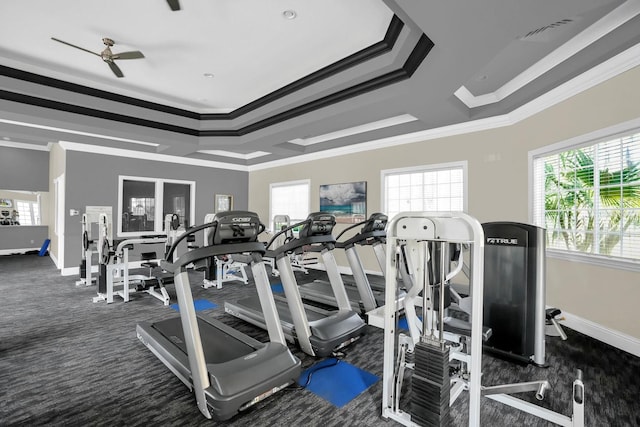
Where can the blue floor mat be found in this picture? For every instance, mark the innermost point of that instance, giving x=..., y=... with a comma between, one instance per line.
x=402, y=323
x=338, y=383
x=277, y=288
x=199, y=304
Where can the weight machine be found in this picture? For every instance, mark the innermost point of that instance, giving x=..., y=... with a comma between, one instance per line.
x=88, y=247
x=224, y=268
x=9, y=217
x=427, y=238
x=116, y=274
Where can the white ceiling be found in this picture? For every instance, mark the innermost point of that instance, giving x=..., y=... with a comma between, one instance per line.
x=268, y=99
x=238, y=42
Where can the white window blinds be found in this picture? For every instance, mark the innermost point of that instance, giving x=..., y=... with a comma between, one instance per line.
x=588, y=198
x=428, y=188
x=289, y=198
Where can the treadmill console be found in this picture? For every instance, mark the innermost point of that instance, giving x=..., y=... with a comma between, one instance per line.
x=235, y=227
x=318, y=224
x=376, y=222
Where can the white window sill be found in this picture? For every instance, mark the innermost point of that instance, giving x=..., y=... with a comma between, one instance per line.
x=599, y=260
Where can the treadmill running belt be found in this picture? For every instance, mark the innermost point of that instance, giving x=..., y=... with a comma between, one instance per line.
x=284, y=312
x=218, y=346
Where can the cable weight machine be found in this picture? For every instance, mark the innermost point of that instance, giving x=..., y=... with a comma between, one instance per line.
x=427, y=237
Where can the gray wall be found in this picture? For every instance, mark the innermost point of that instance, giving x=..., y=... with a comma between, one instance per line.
x=92, y=180
x=21, y=237
x=26, y=170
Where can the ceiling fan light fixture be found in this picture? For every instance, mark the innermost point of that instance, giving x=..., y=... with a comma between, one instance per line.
x=289, y=14
x=107, y=55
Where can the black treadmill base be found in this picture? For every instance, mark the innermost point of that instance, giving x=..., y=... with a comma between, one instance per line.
x=235, y=382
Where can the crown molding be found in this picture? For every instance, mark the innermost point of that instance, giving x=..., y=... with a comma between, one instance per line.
x=613, y=67
x=86, y=148
x=593, y=33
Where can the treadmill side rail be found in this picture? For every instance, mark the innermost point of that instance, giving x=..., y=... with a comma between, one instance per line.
x=193, y=341
x=227, y=370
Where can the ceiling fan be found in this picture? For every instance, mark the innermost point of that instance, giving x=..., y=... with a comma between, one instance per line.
x=108, y=56
x=174, y=4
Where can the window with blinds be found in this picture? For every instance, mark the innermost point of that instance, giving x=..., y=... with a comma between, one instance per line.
x=425, y=188
x=588, y=198
x=289, y=198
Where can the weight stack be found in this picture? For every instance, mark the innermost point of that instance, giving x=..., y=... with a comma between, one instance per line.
x=430, y=386
x=102, y=279
x=83, y=269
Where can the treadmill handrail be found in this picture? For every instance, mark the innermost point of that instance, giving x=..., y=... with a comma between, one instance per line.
x=379, y=235
x=300, y=242
x=353, y=226
x=211, y=251
x=284, y=230
x=189, y=232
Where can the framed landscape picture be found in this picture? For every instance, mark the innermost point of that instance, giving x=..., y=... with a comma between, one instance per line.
x=348, y=201
x=223, y=202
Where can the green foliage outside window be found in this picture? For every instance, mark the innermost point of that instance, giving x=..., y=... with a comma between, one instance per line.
x=594, y=209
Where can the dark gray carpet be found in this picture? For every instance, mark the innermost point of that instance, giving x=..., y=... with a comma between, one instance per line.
x=67, y=361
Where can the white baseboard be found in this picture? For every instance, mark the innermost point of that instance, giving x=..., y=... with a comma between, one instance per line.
x=601, y=333
x=71, y=271
x=17, y=251
x=54, y=259
x=74, y=271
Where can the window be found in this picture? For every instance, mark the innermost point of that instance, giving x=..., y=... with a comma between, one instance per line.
x=588, y=197
x=425, y=188
x=143, y=204
x=28, y=212
x=289, y=198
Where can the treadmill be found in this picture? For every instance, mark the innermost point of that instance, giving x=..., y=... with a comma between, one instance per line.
x=361, y=295
x=317, y=331
x=227, y=370
x=364, y=295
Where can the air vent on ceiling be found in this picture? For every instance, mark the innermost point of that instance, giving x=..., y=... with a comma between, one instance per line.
x=545, y=33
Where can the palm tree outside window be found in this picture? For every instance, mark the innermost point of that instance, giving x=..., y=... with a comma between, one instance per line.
x=588, y=198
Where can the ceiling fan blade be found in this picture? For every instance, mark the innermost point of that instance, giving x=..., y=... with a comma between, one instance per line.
x=174, y=4
x=116, y=70
x=73, y=45
x=134, y=54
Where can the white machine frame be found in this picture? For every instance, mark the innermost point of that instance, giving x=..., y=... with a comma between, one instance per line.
x=227, y=270
x=452, y=227
x=118, y=274
x=414, y=229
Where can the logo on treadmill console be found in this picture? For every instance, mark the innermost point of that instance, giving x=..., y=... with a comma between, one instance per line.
x=241, y=219
x=501, y=241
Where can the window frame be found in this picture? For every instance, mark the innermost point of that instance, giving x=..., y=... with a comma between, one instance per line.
x=159, y=203
x=586, y=140
x=273, y=185
x=34, y=218
x=462, y=164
